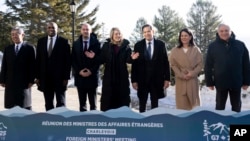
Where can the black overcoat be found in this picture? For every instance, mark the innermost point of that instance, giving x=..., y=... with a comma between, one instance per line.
x=116, y=76
x=57, y=67
x=17, y=71
x=160, y=66
x=80, y=61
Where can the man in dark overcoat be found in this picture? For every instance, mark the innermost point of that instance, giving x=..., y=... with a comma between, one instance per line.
x=85, y=67
x=18, y=71
x=53, y=66
x=227, y=68
x=150, y=72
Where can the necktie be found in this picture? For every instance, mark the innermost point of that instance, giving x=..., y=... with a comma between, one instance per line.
x=50, y=46
x=16, y=49
x=85, y=46
x=149, y=50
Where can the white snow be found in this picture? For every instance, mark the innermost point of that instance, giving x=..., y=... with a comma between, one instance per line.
x=207, y=99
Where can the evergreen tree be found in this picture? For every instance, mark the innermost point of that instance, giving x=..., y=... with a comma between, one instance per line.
x=203, y=20
x=82, y=16
x=137, y=33
x=168, y=25
x=6, y=23
x=34, y=14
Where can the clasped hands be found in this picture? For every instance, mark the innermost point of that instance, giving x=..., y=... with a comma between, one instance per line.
x=187, y=75
x=85, y=72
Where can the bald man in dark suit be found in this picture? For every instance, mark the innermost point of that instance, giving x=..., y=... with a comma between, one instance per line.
x=53, y=65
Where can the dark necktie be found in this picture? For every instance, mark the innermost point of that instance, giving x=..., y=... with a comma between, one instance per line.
x=50, y=46
x=85, y=46
x=149, y=50
x=16, y=49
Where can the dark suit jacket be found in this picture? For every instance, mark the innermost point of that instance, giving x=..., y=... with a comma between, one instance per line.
x=16, y=73
x=55, y=68
x=80, y=61
x=160, y=70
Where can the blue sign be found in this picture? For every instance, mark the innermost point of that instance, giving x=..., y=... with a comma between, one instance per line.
x=117, y=125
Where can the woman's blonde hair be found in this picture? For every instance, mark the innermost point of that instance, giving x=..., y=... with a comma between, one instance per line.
x=112, y=32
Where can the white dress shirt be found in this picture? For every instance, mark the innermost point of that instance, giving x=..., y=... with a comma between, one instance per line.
x=19, y=46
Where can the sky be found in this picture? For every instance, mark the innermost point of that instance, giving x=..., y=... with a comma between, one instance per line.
x=124, y=13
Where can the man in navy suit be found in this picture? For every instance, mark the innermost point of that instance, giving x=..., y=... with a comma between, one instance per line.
x=85, y=65
x=18, y=71
x=53, y=65
x=150, y=71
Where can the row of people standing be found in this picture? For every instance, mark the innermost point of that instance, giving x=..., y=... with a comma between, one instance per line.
x=49, y=63
x=86, y=58
x=150, y=73
x=49, y=66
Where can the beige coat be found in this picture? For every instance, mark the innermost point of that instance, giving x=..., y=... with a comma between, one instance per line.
x=187, y=91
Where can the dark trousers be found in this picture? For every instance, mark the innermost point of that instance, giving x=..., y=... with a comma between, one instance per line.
x=143, y=97
x=234, y=95
x=49, y=95
x=17, y=97
x=82, y=95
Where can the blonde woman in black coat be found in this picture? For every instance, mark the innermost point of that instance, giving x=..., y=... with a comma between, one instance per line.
x=115, y=54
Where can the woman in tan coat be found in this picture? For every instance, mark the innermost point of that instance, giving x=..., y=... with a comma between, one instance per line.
x=186, y=62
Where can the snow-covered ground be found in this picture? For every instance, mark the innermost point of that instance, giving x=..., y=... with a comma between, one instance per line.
x=207, y=99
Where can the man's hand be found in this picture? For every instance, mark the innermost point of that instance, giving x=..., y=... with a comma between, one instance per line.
x=211, y=88
x=85, y=72
x=90, y=54
x=166, y=85
x=135, y=85
x=244, y=87
x=37, y=82
x=65, y=82
x=2, y=84
x=30, y=85
x=134, y=55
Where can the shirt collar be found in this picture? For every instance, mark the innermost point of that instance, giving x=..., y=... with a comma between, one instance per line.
x=19, y=45
x=152, y=42
x=54, y=37
x=86, y=40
